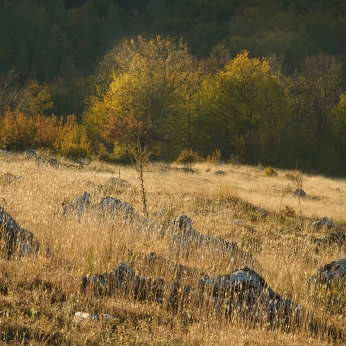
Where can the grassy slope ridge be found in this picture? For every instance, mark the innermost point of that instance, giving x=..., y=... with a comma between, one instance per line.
x=43, y=293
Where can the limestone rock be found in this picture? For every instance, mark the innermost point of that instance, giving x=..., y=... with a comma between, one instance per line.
x=9, y=178
x=324, y=223
x=17, y=239
x=220, y=172
x=85, y=316
x=185, y=237
x=242, y=292
x=111, y=204
x=330, y=274
x=118, y=182
x=338, y=238
x=30, y=154
x=299, y=193
x=80, y=205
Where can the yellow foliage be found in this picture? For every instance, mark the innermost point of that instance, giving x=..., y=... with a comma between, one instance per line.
x=73, y=140
x=155, y=80
x=17, y=131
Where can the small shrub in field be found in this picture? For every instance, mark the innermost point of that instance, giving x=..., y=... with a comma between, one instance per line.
x=215, y=157
x=288, y=211
x=188, y=156
x=73, y=141
x=17, y=131
x=47, y=132
x=271, y=171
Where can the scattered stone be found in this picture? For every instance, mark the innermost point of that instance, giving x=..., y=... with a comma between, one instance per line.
x=9, y=178
x=52, y=162
x=159, y=214
x=30, y=154
x=17, y=239
x=187, y=170
x=220, y=172
x=80, y=205
x=299, y=193
x=111, y=204
x=85, y=316
x=83, y=161
x=187, y=238
x=338, y=238
x=330, y=274
x=243, y=292
x=237, y=221
x=6, y=152
x=324, y=223
x=118, y=182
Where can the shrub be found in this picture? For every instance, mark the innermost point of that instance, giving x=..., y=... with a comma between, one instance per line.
x=271, y=171
x=73, y=141
x=215, y=157
x=47, y=132
x=17, y=131
x=188, y=156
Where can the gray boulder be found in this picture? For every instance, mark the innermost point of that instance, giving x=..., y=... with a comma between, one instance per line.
x=337, y=238
x=30, y=154
x=18, y=241
x=220, y=172
x=331, y=274
x=111, y=204
x=243, y=292
x=299, y=193
x=324, y=223
x=79, y=206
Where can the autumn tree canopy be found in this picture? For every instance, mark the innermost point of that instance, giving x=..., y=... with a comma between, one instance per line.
x=154, y=81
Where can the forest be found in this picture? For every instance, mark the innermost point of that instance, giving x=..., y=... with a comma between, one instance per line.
x=252, y=82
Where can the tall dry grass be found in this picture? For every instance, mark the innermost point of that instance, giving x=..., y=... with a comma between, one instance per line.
x=44, y=293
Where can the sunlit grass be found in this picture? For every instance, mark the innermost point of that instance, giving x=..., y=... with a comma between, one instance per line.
x=44, y=292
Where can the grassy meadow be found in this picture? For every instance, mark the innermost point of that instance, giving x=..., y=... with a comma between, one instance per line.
x=43, y=293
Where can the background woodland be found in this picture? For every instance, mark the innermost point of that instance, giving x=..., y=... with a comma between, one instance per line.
x=255, y=82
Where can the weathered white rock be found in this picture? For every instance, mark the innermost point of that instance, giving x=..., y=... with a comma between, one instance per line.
x=220, y=172
x=243, y=292
x=18, y=240
x=79, y=206
x=324, y=223
x=330, y=274
x=30, y=154
x=85, y=316
x=111, y=204
x=336, y=238
x=186, y=238
x=299, y=193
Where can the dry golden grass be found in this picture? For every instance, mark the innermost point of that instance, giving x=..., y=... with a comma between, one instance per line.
x=44, y=293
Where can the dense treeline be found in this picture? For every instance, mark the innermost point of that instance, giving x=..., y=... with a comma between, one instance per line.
x=262, y=81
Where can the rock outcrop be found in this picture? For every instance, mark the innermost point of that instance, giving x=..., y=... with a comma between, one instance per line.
x=324, y=223
x=333, y=273
x=79, y=206
x=299, y=193
x=243, y=292
x=17, y=240
x=335, y=238
x=186, y=238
